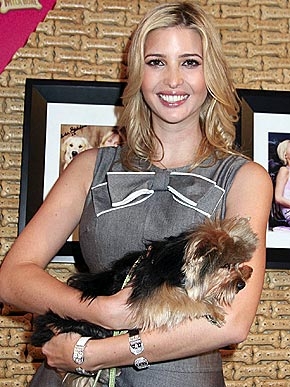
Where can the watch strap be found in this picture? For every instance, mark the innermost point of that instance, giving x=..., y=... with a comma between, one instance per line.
x=136, y=345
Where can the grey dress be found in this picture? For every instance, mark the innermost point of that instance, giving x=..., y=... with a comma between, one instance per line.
x=123, y=211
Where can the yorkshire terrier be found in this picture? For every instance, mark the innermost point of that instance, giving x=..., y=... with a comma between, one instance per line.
x=193, y=275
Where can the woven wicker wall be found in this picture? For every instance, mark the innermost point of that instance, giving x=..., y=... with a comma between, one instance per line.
x=85, y=40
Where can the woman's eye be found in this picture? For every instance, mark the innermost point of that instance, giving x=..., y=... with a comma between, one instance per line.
x=155, y=63
x=191, y=63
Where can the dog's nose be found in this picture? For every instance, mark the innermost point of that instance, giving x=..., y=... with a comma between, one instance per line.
x=240, y=285
x=74, y=153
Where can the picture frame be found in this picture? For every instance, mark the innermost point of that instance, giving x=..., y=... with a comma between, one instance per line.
x=50, y=105
x=96, y=103
x=264, y=122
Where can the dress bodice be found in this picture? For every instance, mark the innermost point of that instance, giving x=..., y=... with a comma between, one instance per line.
x=125, y=210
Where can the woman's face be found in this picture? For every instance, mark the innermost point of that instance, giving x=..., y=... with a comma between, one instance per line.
x=113, y=140
x=173, y=83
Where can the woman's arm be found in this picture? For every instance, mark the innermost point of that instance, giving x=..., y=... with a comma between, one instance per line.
x=23, y=280
x=196, y=336
x=281, y=180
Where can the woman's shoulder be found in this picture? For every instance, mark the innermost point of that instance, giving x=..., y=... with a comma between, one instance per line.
x=254, y=173
x=96, y=157
x=283, y=171
x=80, y=170
x=222, y=167
x=86, y=159
x=96, y=162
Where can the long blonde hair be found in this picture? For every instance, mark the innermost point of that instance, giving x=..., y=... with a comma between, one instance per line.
x=281, y=151
x=219, y=111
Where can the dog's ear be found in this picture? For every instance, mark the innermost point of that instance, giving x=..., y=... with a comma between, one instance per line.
x=244, y=239
x=246, y=272
x=64, y=144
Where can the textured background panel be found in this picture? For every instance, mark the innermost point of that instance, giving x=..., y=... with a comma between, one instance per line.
x=87, y=40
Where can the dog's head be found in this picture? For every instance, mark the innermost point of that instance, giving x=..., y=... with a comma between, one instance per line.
x=214, y=259
x=74, y=145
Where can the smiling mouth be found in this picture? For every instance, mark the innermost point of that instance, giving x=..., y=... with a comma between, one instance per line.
x=169, y=98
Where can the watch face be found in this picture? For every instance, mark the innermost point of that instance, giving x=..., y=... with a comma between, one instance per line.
x=78, y=355
x=77, y=360
x=141, y=363
x=136, y=347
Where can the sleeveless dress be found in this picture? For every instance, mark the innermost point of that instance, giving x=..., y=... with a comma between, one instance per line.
x=123, y=211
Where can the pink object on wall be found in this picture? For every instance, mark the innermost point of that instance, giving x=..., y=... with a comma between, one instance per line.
x=16, y=27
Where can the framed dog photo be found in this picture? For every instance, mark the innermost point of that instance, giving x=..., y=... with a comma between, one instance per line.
x=61, y=119
x=264, y=124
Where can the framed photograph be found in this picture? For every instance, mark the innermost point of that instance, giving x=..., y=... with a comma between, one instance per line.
x=264, y=124
x=62, y=118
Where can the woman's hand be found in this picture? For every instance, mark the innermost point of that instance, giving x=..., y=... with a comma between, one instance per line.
x=59, y=350
x=113, y=312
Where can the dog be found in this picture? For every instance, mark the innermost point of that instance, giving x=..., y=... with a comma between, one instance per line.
x=192, y=275
x=72, y=146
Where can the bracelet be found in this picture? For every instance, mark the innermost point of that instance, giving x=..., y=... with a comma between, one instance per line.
x=78, y=356
x=136, y=345
x=78, y=353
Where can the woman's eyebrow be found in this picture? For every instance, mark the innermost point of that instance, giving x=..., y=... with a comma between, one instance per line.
x=180, y=56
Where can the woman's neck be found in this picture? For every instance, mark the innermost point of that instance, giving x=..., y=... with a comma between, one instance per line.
x=179, y=150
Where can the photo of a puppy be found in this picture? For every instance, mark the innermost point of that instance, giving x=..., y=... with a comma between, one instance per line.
x=192, y=275
x=72, y=146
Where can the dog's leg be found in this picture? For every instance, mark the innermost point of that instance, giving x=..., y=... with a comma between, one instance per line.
x=47, y=325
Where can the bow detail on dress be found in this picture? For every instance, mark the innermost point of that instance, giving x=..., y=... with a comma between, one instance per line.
x=188, y=189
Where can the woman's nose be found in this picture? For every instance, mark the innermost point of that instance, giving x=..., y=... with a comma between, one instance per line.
x=173, y=77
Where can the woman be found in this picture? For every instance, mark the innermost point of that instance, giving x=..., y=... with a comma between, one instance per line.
x=179, y=109
x=112, y=138
x=282, y=186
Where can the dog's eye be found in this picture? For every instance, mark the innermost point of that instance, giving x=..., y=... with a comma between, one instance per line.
x=240, y=285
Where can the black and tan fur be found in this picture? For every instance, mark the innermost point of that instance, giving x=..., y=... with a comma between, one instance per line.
x=193, y=275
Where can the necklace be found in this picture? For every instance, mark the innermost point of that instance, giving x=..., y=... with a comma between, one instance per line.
x=160, y=162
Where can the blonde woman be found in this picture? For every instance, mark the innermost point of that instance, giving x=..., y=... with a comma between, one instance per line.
x=179, y=112
x=282, y=186
x=111, y=138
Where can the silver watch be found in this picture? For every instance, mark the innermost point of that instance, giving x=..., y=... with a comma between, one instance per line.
x=78, y=353
x=141, y=363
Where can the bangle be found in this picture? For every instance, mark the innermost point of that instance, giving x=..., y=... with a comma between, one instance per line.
x=78, y=353
x=136, y=345
x=78, y=356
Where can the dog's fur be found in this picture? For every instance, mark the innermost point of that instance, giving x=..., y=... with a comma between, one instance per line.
x=193, y=275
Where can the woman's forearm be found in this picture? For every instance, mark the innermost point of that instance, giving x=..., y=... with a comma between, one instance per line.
x=43, y=293
x=188, y=339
